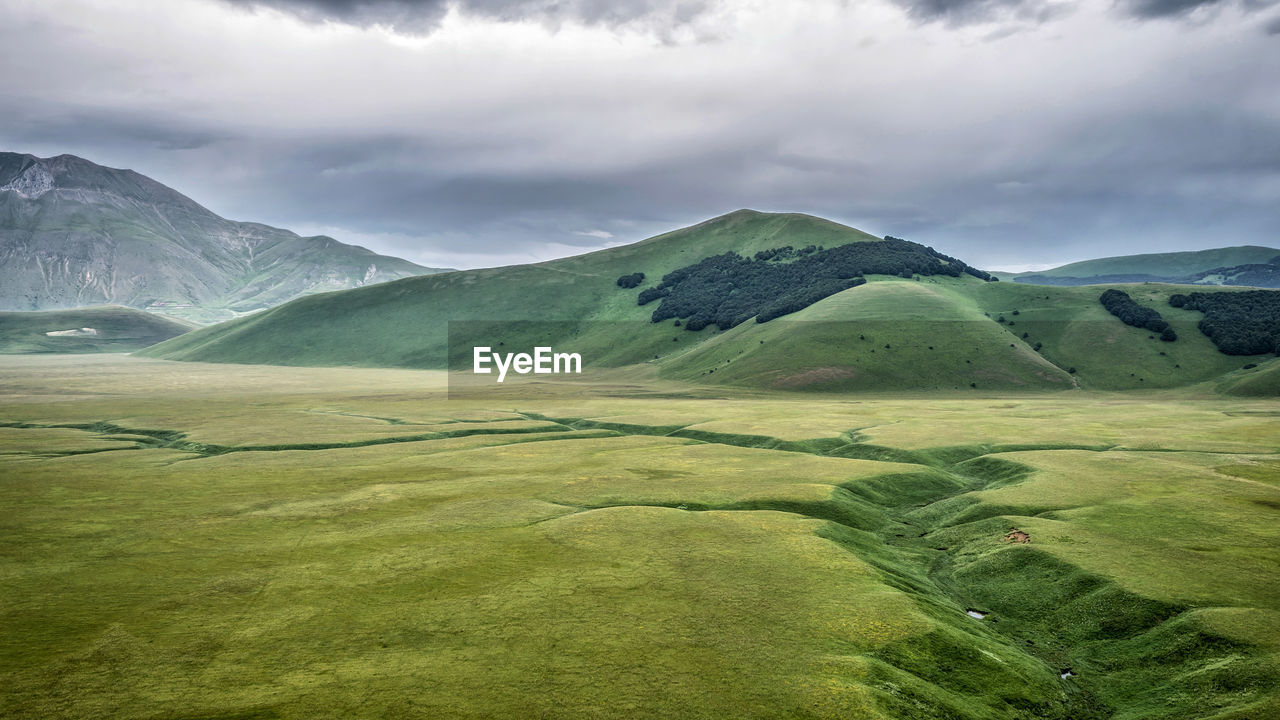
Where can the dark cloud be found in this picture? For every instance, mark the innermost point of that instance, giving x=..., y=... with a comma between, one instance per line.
x=424, y=15
x=1272, y=27
x=1151, y=9
x=960, y=12
x=1165, y=8
x=414, y=14
x=109, y=128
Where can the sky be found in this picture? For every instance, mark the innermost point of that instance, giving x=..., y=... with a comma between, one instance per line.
x=1014, y=134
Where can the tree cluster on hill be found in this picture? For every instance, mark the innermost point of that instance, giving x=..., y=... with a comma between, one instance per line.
x=728, y=289
x=630, y=281
x=958, y=265
x=786, y=252
x=1238, y=323
x=1118, y=303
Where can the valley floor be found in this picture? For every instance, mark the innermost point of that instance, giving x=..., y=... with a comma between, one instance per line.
x=188, y=540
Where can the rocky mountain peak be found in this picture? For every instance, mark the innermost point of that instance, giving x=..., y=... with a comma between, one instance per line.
x=32, y=182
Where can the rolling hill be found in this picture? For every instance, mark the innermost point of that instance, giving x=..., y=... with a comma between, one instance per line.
x=85, y=330
x=932, y=332
x=406, y=323
x=75, y=234
x=1245, y=265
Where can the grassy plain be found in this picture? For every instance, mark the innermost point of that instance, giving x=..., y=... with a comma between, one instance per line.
x=187, y=540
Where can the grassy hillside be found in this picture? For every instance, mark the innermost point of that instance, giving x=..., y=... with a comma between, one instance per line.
x=947, y=334
x=1174, y=264
x=85, y=330
x=888, y=334
x=928, y=333
x=1075, y=331
x=405, y=323
x=1260, y=381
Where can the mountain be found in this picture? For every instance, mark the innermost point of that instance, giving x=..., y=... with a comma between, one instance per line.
x=73, y=233
x=1245, y=265
x=84, y=330
x=943, y=329
x=405, y=323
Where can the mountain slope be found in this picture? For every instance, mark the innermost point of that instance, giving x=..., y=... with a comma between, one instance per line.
x=945, y=333
x=1241, y=265
x=931, y=332
x=73, y=233
x=84, y=330
x=405, y=323
x=886, y=335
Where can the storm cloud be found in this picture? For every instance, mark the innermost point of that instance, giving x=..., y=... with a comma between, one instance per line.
x=1009, y=133
x=425, y=15
x=975, y=11
x=1175, y=8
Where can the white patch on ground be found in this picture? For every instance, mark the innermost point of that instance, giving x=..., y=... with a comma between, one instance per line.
x=74, y=332
x=992, y=655
x=32, y=183
x=975, y=614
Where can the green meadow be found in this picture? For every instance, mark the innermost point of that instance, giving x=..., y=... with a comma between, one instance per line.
x=188, y=540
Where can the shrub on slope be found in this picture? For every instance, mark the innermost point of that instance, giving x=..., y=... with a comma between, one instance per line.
x=1118, y=303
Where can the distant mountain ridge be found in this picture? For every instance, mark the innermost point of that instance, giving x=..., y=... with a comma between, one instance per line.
x=1244, y=265
x=74, y=234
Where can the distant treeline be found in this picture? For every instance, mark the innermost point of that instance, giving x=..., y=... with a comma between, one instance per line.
x=1238, y=323
x=726, y=290
x=1068, y=281
x=1118, y=303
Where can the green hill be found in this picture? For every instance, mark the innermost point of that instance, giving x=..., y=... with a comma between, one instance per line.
x=1166, y=264
x=928, y=333
x=944, y=334
x=1239, y=265
x=889, y=334
x=1263, y=380
x=1075, y=331
x=84, y=330
x=405, y=323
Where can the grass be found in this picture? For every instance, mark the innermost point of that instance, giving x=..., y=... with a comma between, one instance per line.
x=884, y=335
x=640, y=548
x=115, y=329
x=890, y=335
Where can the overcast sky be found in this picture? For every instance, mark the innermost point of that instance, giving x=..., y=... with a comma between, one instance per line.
x=1011, y=133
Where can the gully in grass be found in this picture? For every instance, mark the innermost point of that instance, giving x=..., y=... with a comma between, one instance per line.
x=543, y=361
